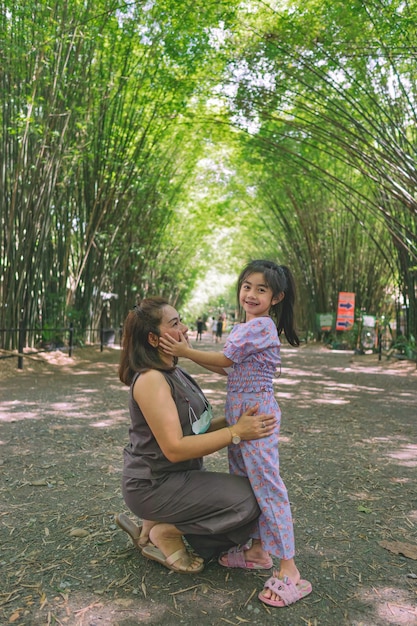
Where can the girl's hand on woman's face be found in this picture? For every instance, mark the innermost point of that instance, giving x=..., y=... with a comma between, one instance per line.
x=173, y=347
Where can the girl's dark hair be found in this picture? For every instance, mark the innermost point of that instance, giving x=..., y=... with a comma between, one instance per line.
x=280, y=280
x=137, y=353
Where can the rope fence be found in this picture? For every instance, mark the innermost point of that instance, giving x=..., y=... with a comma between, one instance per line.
x=50, y=339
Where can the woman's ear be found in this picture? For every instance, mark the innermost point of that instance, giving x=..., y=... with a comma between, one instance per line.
x=153, y=339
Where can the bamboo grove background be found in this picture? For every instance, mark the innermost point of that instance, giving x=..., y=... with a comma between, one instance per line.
x=142, y=143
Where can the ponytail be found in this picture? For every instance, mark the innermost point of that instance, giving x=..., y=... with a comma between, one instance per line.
x=285, y=309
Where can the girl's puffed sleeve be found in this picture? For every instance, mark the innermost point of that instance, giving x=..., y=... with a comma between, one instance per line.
x=249, y=338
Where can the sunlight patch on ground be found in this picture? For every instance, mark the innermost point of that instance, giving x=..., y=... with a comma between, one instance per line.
x=16, y=416
x=391, y=605
x=405, y=368
x=406, y=455
x=336, y=385
x=287, y=396
x=329, y=400
x=400, y=450
x=286, y=381
x=116, y=417
x=363, y=495
x=307, y=396
x=301, y=373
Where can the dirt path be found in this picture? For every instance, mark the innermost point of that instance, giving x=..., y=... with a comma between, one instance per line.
x=348, y=457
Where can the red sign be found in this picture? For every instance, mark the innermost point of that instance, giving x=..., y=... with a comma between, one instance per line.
x=345, y=311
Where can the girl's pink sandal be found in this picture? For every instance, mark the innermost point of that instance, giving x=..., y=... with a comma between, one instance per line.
x=235, y=557
x=287, y=591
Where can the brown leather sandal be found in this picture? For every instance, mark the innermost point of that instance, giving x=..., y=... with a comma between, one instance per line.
x=154, y=554
x=133, y=530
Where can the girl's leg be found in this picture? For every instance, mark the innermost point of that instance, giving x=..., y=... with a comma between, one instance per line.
x=288, y=568
x=275, y=523
x=256, y=552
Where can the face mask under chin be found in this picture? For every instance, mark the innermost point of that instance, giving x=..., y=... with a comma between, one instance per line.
x=200, y=426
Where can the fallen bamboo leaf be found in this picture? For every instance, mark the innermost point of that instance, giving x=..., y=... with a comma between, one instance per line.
x=364, y=509
x=124, y=602
x=250, y=597
x=124, y=580
x=79, y=532
x=408, y=550
x=174, y=593
x=88, y=608
x=15, y=616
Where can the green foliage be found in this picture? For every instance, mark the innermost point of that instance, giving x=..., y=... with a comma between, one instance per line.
x=406, y=346
x=147, y=143
x=326, y=93
x=97, y=143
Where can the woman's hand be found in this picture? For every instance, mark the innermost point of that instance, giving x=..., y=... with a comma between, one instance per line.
x=172, y=347
x=253, y=426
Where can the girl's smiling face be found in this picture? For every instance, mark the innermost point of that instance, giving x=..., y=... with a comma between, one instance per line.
x=255, y=297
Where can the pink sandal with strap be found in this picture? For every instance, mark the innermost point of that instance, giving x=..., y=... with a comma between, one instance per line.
x=287, y=591
x=235, y=557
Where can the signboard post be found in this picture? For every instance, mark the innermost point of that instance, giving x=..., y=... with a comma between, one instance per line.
x=345, y=311
x=325, y=321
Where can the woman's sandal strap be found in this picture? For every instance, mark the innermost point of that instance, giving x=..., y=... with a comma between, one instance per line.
x=176, y=556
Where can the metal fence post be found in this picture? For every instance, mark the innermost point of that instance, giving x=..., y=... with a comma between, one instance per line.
x=101, y=337
x=71, y=338
x=21, y=344
x=379, y=345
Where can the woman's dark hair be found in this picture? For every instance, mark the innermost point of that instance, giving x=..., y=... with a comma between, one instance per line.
x=137, y=353
x=280, y=280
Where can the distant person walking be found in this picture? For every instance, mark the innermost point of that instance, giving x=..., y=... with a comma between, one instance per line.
x=200, y=328
x=213, y=326
x=219, y=329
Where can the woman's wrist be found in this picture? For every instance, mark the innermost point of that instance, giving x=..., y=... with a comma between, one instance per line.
x=235, y=437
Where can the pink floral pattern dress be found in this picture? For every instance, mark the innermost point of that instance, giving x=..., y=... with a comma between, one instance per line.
x=254, y=348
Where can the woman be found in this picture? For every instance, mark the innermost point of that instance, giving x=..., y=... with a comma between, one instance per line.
x=164, y=481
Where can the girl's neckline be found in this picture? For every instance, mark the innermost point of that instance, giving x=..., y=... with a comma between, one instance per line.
x=259, y=317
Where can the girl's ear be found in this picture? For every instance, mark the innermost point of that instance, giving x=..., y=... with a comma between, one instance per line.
x=153, y=339
x=279, y=297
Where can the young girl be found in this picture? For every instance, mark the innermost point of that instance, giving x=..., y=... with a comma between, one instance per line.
x=250, y=357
